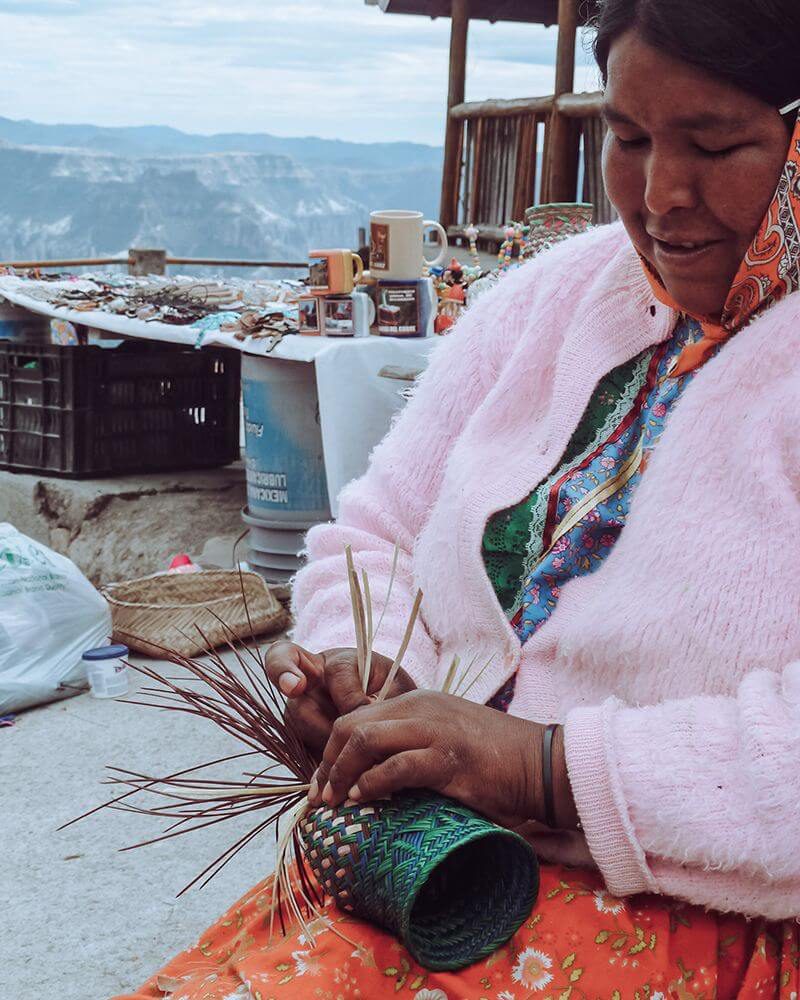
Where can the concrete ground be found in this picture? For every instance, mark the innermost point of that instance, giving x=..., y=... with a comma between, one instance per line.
x=80, y=920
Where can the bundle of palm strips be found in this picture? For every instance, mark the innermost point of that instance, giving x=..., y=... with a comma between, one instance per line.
x=423, y=836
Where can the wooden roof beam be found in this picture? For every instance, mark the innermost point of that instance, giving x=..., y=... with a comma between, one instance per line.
x=451, y=172
x=561, y=164
x=524, y=11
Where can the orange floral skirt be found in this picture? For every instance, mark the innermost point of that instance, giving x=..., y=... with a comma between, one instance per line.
x=578, y=943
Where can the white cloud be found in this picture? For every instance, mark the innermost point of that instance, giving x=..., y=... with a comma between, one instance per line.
x=337, y=69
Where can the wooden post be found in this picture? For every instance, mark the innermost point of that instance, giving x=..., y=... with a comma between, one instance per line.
x=564, y=145
x=451, y=171
x=142, y=262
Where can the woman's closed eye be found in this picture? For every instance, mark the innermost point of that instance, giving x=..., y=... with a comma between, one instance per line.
x=639, y=142
x=642, y=141
x=718, y=153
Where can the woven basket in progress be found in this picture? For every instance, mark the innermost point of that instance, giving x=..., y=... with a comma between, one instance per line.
x=165, y=611
x=452, y=886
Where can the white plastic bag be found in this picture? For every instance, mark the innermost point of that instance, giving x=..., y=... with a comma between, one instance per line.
x=49, y=616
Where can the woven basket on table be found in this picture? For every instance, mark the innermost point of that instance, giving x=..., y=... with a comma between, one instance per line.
x=550, y=224
x=452, y=886
x=168, y=611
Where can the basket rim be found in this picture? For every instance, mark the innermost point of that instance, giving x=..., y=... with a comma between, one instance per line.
x=411, y=941
x=107, y=592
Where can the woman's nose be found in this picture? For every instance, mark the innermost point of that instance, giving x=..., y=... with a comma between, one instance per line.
x=669, y=184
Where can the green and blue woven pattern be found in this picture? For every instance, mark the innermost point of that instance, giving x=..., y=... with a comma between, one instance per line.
x=452, y=886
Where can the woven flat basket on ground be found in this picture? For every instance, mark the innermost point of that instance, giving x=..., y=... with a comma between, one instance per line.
x=452, y=886
x=169, y=611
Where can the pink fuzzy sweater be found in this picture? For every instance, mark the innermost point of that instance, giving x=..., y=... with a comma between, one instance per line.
x=676, y=666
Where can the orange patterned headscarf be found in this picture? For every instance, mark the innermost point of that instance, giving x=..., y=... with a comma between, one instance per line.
x=770, y=269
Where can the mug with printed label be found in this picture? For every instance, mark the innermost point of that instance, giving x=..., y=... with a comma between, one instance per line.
x=348, y=315
x=309, y=315
x=334, y=272
x=406, y=308
x=396, y=247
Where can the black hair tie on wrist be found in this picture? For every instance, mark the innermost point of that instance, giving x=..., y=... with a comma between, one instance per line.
x=547, y=775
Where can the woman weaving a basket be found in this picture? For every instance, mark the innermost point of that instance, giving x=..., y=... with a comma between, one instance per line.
x=596, y=488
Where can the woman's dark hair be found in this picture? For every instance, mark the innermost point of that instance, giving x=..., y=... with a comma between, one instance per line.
x=752, y=44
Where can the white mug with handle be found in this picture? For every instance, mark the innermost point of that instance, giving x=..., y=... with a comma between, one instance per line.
x=396, y=248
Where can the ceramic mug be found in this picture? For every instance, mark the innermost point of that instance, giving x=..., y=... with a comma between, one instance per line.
x=348, y=315
x=396, y=247
x=309, y=315
x=406, y=308
x=334, y=272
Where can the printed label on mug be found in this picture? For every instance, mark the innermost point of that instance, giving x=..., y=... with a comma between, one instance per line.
x=308, y=316
x=399, y=310
x=334, y=272
x=378, y=246
x=318, y=274
x=339, y=320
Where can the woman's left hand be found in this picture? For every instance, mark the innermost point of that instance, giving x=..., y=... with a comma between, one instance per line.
x=483, y=758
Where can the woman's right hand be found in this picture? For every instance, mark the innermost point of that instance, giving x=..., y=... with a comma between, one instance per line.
x=319, y=687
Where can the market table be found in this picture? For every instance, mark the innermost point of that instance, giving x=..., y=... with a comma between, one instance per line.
x=356, y=403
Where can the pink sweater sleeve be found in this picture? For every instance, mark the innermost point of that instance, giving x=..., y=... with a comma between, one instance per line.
x=389, y=506
x=697, y=798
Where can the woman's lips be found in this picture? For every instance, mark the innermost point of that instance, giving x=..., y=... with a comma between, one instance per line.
x=683, y=251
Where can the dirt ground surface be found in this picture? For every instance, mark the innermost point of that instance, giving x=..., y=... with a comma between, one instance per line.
x=82, y=921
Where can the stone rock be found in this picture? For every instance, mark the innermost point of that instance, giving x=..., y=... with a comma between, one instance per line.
x=121, y=528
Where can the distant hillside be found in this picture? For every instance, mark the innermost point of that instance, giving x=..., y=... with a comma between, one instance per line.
x=159, y=140
x=84, y=190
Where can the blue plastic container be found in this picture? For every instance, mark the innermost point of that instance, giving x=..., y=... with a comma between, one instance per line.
x=283, y=442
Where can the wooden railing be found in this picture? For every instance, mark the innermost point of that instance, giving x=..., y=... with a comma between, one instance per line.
x=500, y=144
x=584, y=109
x=505, y=163
x=145, y=261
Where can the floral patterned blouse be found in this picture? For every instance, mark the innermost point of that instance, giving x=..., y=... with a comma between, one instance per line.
x=568, y=525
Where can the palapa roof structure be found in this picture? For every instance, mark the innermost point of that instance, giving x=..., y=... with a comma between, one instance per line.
x=527, y=11
x=511, y=127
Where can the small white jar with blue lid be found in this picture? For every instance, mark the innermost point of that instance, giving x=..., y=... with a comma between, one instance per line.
x=106, y=670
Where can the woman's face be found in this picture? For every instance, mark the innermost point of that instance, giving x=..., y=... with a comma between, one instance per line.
x=691, y=165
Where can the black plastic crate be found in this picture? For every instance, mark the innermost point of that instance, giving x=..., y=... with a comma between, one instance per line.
x=139, y=407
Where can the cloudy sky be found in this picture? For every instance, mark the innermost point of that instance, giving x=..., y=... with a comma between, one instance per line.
x=332, y=68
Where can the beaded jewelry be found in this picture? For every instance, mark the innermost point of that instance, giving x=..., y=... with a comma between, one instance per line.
x=516, y=235
x=472, y=232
